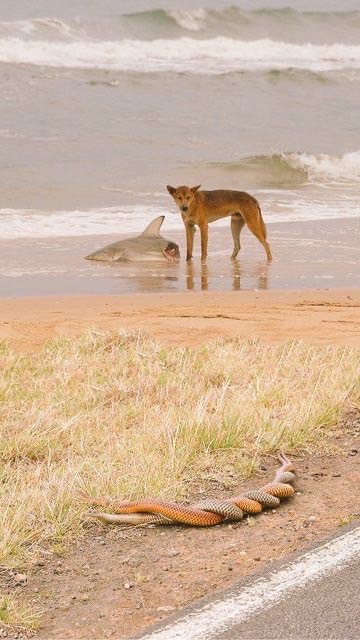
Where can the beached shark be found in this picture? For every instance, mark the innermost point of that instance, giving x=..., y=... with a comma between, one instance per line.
x=149, y=246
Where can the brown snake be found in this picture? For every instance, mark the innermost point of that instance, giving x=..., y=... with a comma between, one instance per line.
x=204, y=514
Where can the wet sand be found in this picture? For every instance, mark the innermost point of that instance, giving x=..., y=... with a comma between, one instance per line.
x=310, y=291
x=307, y=255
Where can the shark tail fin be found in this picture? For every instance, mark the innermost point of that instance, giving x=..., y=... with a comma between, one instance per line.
x=153, y=229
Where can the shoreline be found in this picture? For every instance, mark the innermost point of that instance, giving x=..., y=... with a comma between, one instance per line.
x=189, y=318
x=307, y=255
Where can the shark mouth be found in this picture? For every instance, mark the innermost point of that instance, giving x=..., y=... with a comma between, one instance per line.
x=171, y=252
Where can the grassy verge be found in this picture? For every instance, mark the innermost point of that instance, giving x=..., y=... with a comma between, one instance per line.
x=118, y=414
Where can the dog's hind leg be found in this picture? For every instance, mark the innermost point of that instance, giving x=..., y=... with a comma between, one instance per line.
x=257, y=226
x=237, y=223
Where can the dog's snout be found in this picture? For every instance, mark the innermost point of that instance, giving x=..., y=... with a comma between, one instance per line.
x=184, y=208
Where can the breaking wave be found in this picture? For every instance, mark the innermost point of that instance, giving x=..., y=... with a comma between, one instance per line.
x=215, y=56
x=296, y=168
x=40, y=27
x=195, y=20
x=234, y=19
x=229, y=21
x=326, y=167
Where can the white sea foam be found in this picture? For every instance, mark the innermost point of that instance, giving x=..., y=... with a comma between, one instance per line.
x=326, y=167
x=31, y=223
x=123, y=220
x=217, y=55
x=311, y=210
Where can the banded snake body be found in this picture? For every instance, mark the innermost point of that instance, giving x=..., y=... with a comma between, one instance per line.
x=206, y=513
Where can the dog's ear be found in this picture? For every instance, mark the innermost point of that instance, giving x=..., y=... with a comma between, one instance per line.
x=195, y=189
x=171, y=190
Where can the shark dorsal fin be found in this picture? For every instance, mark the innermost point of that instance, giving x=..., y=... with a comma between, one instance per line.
x=153, y=229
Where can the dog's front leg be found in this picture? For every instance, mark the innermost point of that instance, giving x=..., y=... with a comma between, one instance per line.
x=190, y=232
x=204, y=241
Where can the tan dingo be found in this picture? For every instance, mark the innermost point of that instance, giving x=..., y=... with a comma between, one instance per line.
x=202, y=207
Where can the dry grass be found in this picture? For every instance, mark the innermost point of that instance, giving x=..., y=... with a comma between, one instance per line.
x=14, y=613
x=118, y=414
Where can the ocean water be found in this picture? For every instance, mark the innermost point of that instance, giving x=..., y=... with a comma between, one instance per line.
x=104, y=103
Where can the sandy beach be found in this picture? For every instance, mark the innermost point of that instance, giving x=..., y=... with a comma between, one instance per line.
x=310, y=291
x=318, y=317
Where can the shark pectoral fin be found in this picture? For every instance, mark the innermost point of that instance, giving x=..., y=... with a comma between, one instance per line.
x=153, y=229
x=122, y=256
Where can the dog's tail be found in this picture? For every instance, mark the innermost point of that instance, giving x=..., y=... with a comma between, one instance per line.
x=262, y=223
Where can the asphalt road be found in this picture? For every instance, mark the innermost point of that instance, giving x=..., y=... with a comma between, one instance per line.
x=329, y=609
x=314, y=596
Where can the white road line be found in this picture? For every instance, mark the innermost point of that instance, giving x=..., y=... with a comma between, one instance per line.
x=206, y=622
